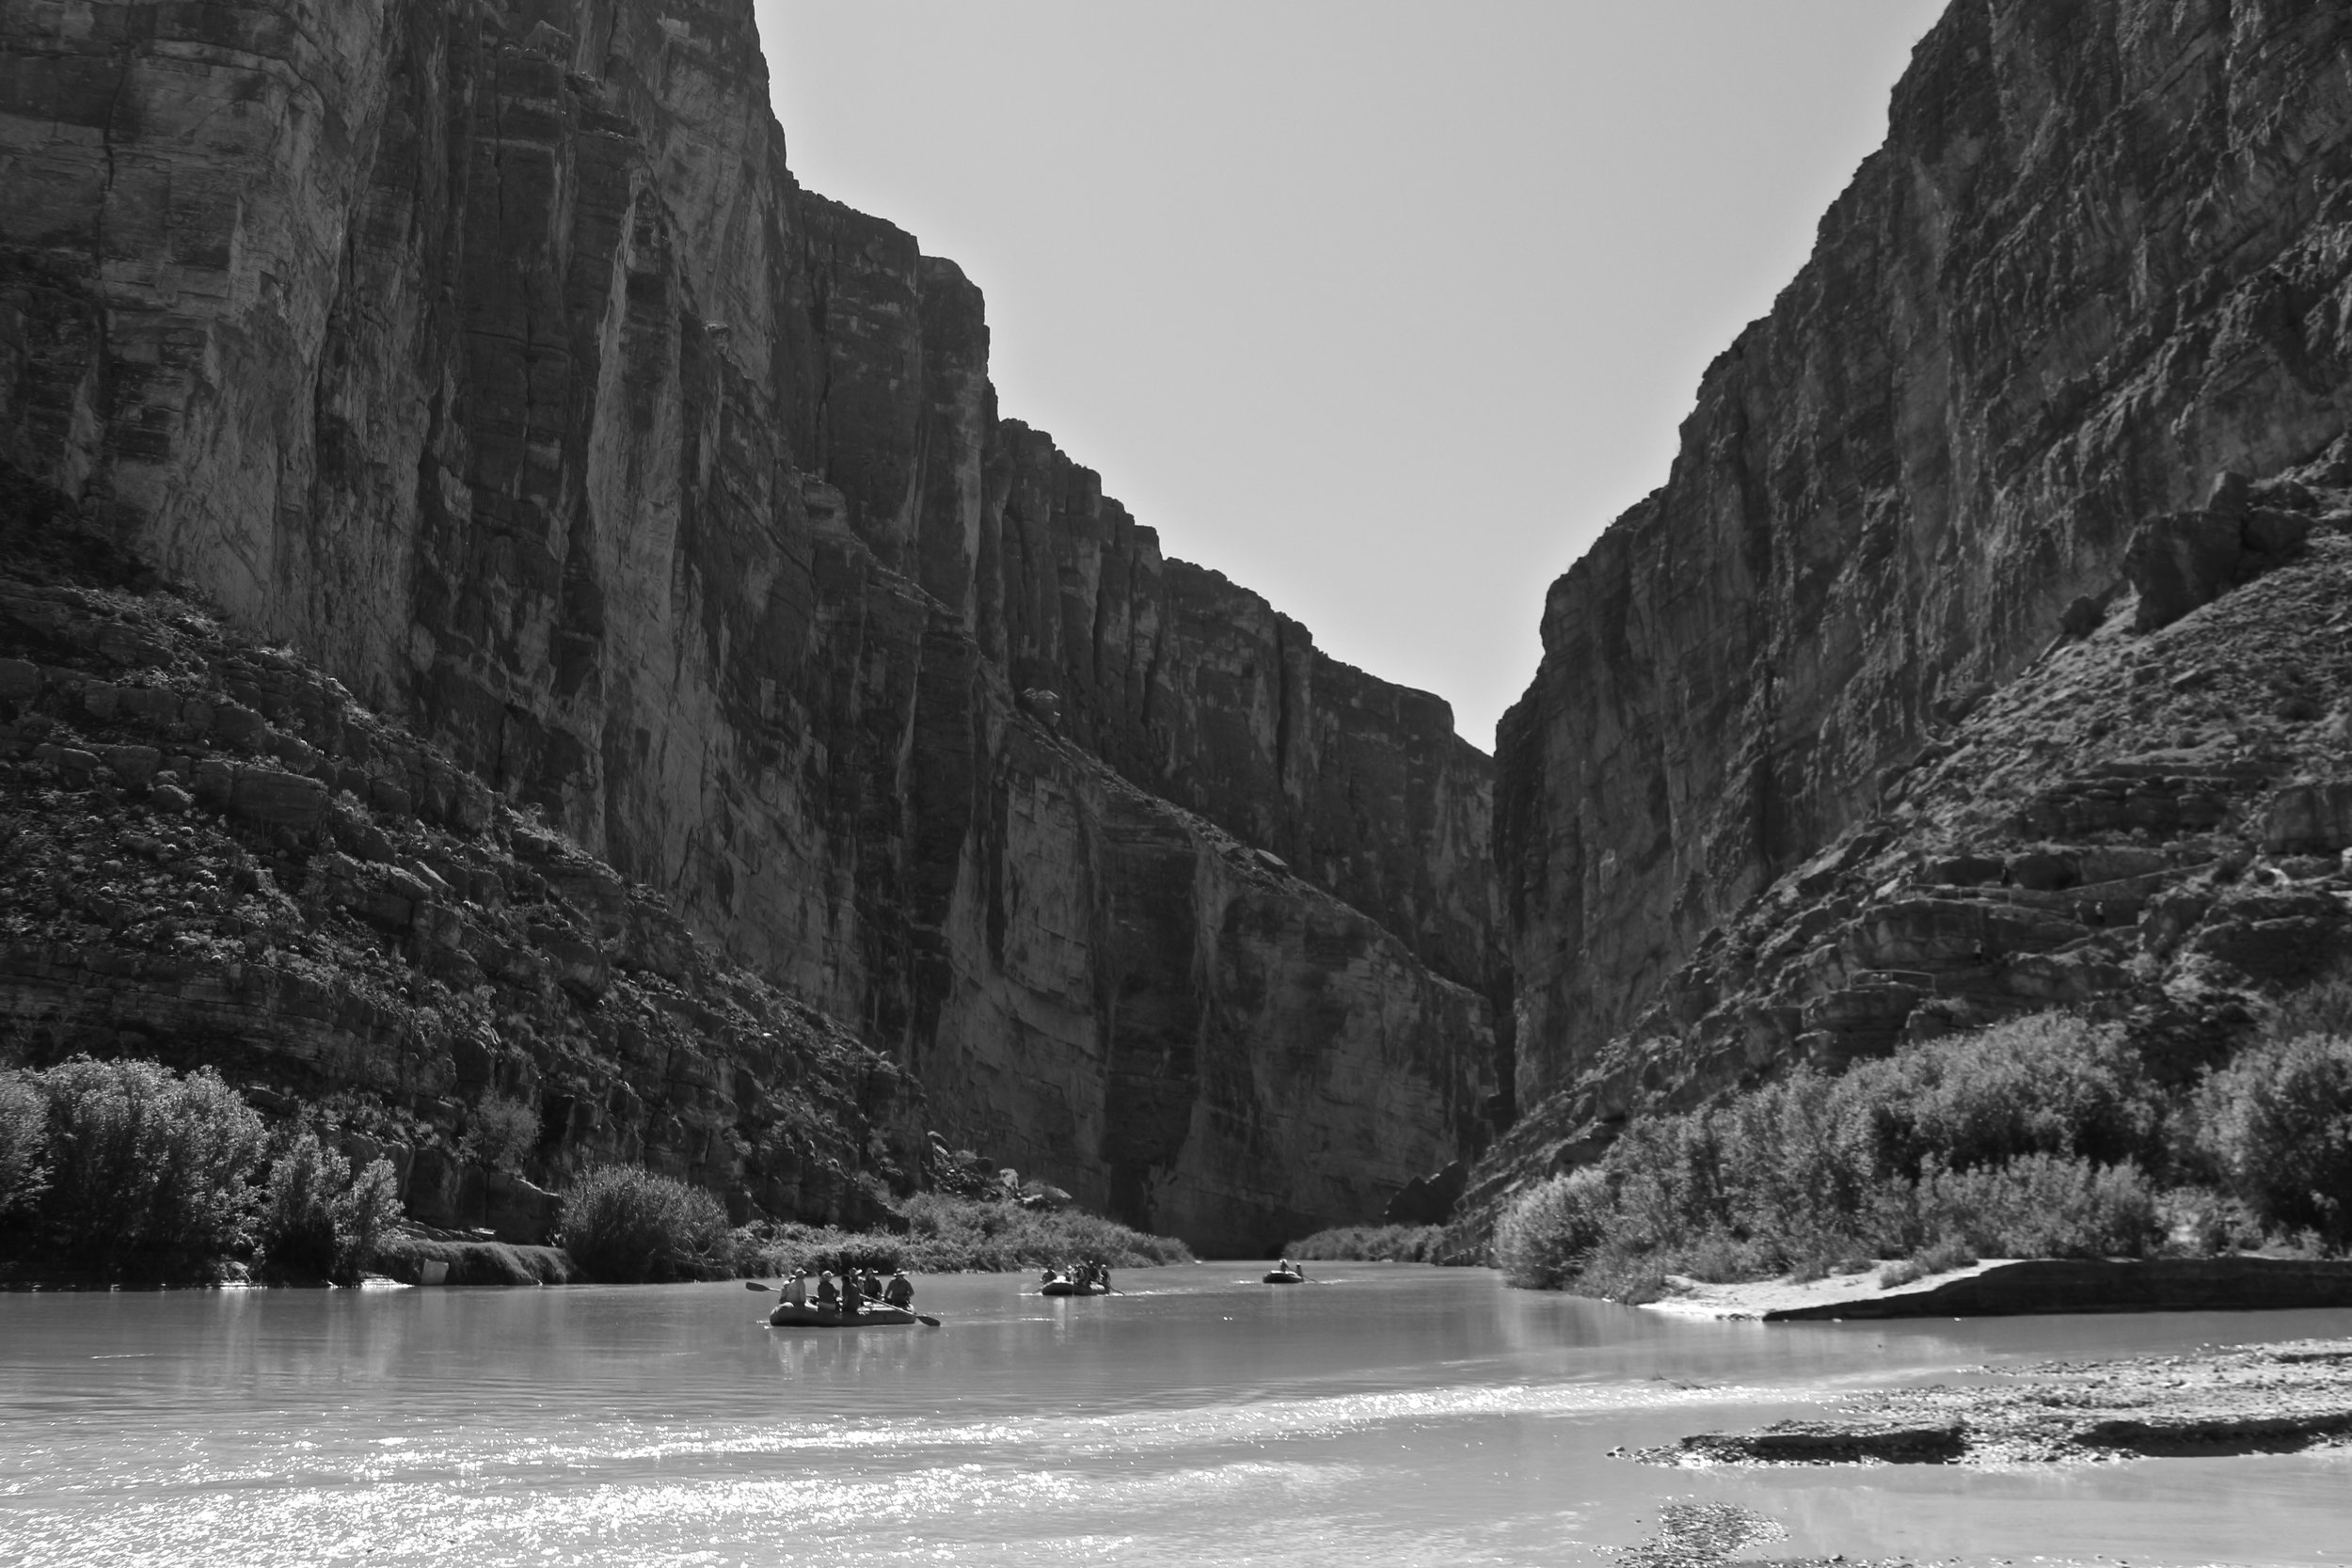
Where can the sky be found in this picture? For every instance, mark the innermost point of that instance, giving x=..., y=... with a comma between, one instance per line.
x=1382, y=309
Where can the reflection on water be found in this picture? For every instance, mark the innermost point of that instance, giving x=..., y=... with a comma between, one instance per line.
x=1396, y=1415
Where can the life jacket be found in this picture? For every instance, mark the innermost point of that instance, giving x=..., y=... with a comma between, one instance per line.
x=902, y=1291
x=828, y=1293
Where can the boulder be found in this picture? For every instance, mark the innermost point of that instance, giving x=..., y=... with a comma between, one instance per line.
x=519, y=1210
x=2180, y=561
x=2308, y=820
x=431, y=1191
x=277, y=798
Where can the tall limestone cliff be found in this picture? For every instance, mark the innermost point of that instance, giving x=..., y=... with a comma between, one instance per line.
x=2104, y=256
x=490, y=354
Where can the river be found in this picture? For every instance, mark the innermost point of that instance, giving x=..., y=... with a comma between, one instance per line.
x=1387, y=1414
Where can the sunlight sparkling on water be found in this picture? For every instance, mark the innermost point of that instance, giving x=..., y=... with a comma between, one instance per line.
x=1396, y=1415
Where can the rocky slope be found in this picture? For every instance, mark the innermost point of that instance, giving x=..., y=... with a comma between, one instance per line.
x=2104, y=257
x=2152, y=826
x=490, y=357
x=210, y=854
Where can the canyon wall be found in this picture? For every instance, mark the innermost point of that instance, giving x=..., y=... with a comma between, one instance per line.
x=2105, y=255
x=490, y=356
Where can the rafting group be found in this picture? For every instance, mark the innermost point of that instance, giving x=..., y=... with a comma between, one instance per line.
x=1090, y=1277
x=863, y=1299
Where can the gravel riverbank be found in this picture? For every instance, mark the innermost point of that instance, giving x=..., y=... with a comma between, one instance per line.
x=2267, y=1398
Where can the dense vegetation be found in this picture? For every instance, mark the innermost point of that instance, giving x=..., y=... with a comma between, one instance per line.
x=2044, y=1136
x=1371, y=1244
x=127, y=1170
x=321, y=1217
x=946, y=1234
x=623, y=1224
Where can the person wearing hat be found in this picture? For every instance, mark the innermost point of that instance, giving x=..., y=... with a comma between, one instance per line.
x=850, y=1304
x=900, y=1293
x=797, y=1292
x=828, y=1293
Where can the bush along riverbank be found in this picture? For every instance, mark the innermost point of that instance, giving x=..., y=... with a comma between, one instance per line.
x=2044, y=1136
x=127, y=1172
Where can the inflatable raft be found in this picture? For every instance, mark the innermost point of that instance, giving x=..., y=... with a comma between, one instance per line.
x=1280, y=1277
x=1064, y=1288
x=788, y=1316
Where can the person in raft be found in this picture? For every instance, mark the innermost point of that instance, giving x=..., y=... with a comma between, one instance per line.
x=850, y=1301
x=1289, y=1267
x=900, y=1293
x=873, y=1286
x=828, y=1293
x=797, y=1292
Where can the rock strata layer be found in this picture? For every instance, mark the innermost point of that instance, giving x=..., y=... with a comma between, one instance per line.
x=2102, y=261
x=491, y=356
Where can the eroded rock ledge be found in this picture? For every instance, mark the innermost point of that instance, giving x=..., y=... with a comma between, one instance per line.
x=2007, y=1288
x=2271, y=1399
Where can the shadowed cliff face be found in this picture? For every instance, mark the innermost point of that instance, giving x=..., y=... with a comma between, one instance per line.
x=2105, y=255
x=491, y=356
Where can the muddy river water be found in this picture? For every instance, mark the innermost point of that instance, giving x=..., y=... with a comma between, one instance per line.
x=1388, y=1415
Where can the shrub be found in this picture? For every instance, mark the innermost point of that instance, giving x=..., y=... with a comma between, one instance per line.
x=2206, y=1223
x=367, y=1210
x=2049, y=1084
x=2277, y=1123
x=23, y=1143
x=951, y=1234
x=1371, y=1244
x=2321, y=1007
x=1946, y=1255
x=502, y=1133
x=2042, y=1205
x=318, y=1218
x=1548, y=1233
x=623, y=1224
x=1904, y=1271
x=2027, y=1138
x=1942, y=1257
x=146, y=1163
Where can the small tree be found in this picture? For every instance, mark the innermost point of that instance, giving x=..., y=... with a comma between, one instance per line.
x=317, y=1217
x=1548, y=1231
x=143, y=1162
x=623, y=1224
x=2277, y=1123
x=23, y=1143
x=502, y=1133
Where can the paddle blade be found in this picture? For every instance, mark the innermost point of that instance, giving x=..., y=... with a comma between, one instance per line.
x=755, y=1285
x=927, y=1321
